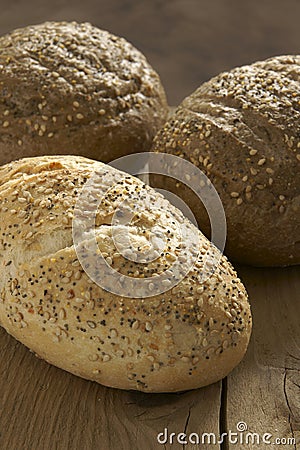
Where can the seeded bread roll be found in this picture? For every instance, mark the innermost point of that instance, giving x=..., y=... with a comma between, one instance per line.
x=68, y=86
x=242, y=129
x=184, y=338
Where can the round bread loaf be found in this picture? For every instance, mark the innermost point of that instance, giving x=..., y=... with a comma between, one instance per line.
x=68, y=86
x=242, y=129
x=183, y=338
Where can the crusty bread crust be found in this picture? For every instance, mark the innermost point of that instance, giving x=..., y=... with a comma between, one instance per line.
x=72, y=88
x=185, y=338
x=242, y=129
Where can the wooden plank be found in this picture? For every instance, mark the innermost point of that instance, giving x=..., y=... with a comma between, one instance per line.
x=264, y=391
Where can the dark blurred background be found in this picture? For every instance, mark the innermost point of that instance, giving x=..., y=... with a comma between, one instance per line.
x=187, y=41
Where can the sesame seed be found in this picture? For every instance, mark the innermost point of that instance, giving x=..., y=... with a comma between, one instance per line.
x=62, y=313
x=148, y=326
x=77, y=275
x=101, y=112
x=261, y=162
x=135, y=325
x=298, y=156
x=29, y=235
x=76, y=104
x=281, y=197
x=65, y=280
x=239, y=201
x=113, y=333
x=91, y=324
x=234, y=194
x=76, y=263
x=253, y=152
x=79, y=116
x=281, y=209
x=6, y=124
x=106, y=358
x=200, y=302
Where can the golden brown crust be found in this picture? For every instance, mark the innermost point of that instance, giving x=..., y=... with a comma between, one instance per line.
x=242, y=130
x=188, y=337
x=72, y=88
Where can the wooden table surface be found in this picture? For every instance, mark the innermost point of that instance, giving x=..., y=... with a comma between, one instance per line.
x=44, y=408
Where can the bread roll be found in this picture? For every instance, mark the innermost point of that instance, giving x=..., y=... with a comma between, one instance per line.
x=183, y=338
x=242, y=129
x=69, y=87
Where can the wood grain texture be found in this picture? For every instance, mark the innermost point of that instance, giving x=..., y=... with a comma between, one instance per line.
x=46, y=408
x=264, y=390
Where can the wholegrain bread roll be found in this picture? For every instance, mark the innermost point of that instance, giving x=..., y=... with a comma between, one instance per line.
x=69, y=86
x=242, y=129
x=182, y=338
